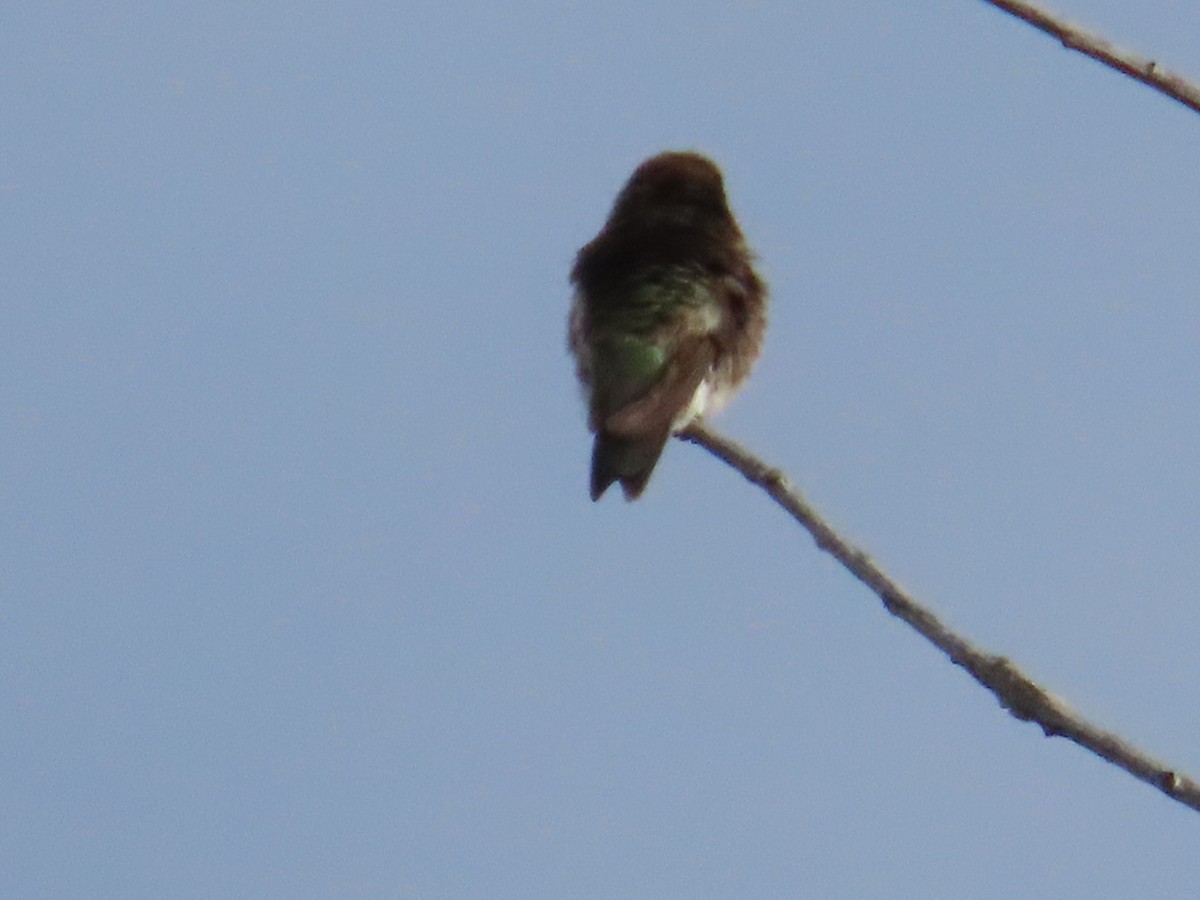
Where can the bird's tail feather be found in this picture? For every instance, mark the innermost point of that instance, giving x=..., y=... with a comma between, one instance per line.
x=627, y=460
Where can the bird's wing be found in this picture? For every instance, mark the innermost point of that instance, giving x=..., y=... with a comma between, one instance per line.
x=655, y=410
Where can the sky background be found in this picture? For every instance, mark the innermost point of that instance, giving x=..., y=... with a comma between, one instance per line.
x=301, y=592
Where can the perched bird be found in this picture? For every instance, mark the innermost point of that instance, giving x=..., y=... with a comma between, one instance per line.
x=668, y=315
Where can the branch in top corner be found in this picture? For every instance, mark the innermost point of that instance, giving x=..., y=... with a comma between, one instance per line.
x=1147, y=71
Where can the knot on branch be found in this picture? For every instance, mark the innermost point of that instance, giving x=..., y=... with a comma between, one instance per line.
x=772, y=478
x=1021, y=696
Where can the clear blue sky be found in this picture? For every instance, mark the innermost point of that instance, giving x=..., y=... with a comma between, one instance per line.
x=301, y=592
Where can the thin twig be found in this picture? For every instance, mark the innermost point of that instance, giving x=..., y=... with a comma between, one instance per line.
x=1015, y=690
x=1147, y=71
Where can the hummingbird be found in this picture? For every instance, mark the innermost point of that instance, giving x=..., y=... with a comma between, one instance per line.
x=667, y=318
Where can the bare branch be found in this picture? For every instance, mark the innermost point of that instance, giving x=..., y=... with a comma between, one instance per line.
x=1017, y=693
x=1147, y=71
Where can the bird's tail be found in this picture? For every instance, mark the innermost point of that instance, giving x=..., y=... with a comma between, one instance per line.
x=627, y=460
